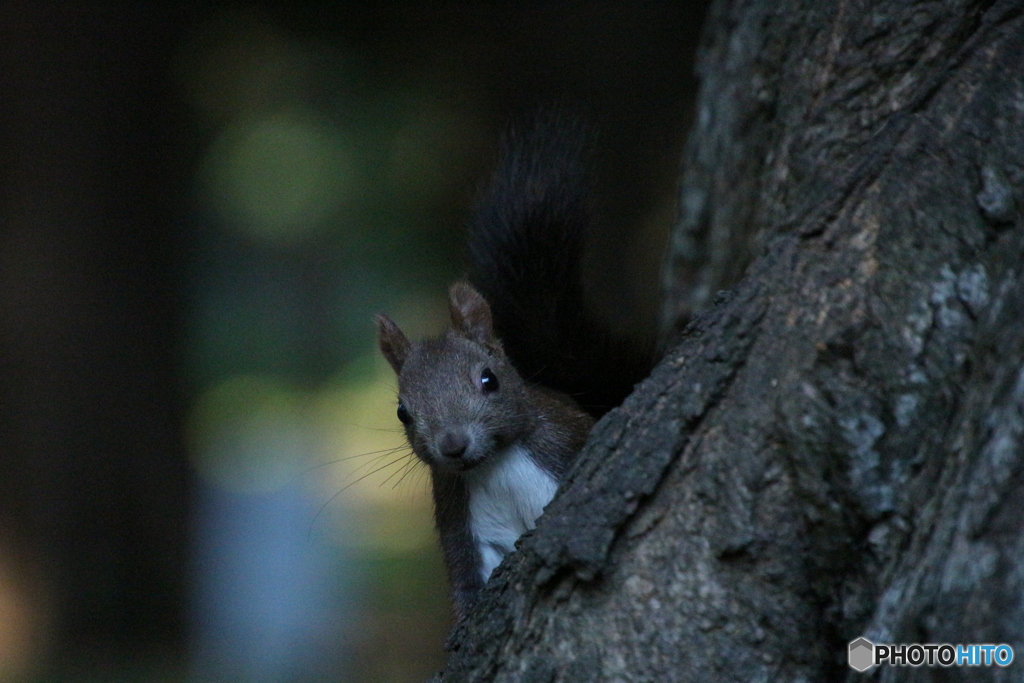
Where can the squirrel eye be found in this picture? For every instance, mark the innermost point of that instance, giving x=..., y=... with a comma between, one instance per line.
x=488, y=381
x=403, y=414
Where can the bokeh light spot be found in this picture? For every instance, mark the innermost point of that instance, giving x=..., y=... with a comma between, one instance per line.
x=280, y=177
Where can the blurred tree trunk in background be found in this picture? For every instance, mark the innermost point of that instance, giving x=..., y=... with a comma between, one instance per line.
x=835, y=447
x=93, y=480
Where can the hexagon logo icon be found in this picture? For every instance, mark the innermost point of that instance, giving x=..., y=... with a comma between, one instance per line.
x=861, y=654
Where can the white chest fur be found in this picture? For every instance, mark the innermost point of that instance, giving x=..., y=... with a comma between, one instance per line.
x=506, y=496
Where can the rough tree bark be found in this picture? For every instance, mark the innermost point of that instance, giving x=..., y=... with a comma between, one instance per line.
x=835, y=447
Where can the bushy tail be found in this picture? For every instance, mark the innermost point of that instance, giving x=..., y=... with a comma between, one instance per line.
x=526, y=241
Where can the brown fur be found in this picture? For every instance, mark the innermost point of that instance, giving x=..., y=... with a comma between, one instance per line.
x=439, y=385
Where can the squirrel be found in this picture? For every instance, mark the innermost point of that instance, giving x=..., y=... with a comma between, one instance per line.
x=501, y=403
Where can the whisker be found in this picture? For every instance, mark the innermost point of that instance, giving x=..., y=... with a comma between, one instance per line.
x=411, y=467
x=373, y=461
x=350, y=457
x=371, y=473
x=393, y=474
x=424, y=479
x=348, y=486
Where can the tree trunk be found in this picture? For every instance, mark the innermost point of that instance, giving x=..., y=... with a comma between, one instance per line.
x=835, y=447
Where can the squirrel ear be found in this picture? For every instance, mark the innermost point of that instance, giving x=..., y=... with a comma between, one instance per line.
x=393, y=342
x=471, y=315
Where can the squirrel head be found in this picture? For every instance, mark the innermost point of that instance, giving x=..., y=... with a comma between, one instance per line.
x=459, y=398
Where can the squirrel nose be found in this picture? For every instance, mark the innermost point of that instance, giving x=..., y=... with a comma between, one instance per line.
x=453, y=444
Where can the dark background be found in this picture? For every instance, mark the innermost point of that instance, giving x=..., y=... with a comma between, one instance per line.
x=114, y=240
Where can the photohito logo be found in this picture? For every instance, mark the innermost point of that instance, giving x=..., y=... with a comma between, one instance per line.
x=863, y=654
